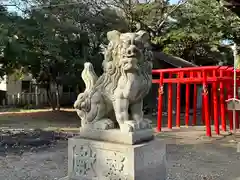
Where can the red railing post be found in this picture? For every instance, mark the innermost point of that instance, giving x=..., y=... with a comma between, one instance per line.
x=187, y=105
x=170, y=103
x=206, y=105
x=204, y=76
x=215, y=105
x=203, y=114
x=160, y=98
x=178, y=111
x=222, y=103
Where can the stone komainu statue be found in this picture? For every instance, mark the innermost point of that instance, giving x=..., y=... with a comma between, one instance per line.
x=115, y=99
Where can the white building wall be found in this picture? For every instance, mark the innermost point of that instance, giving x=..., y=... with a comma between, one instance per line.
x=3, y=83
x=14, y=86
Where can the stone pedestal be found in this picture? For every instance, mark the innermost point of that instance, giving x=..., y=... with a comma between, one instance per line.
x=116, y=136
x=90, y=159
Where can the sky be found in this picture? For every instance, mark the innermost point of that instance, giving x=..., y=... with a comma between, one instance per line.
x=173, y=1
x=11, y=8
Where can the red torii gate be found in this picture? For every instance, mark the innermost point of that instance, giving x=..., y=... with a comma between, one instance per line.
x=220, y=78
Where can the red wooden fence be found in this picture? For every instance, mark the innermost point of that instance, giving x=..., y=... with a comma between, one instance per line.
x=220, y=78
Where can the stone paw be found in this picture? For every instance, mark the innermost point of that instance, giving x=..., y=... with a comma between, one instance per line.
x=103, y=124
x=128, y=126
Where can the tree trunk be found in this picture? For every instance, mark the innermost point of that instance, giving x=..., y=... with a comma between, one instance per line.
x=36, y=95
x=57, y=97
x=49, y=97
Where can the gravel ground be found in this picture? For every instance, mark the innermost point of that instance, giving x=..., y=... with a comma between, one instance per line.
x=203, y=162
x=198, y=161
x=190, y=157
x=45, y=164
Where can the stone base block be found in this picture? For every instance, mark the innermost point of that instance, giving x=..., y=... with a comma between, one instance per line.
x=65, y=178
x=99, y=160
x=116, y=136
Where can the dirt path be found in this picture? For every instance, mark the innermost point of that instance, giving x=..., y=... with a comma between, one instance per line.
x=41, y=119
x=191, y=161
x=190, y=156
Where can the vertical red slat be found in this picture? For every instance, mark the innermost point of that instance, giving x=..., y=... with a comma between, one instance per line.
x=215, y=106
x=222, y=103
x=206, y=105
x=203, y=114
x=195, y=105
x=187, y=104
x=170, y=103
x=160, y=99
x=178, y=102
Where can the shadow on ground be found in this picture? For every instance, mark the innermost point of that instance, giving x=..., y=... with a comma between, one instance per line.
x=18, y=141
x=40, y=119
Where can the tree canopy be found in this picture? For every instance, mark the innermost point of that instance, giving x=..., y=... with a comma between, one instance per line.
x=193, y=29
x=52, y=39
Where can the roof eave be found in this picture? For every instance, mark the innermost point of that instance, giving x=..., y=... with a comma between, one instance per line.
x=173, y=60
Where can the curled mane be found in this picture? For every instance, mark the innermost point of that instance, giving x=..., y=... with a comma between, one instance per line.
x=112, y=72
x=108, y=81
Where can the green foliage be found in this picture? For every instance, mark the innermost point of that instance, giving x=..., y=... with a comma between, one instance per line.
x=193, y=29
x=7, y=39
x=53, y=39
x=54, y=42
x=200, y=28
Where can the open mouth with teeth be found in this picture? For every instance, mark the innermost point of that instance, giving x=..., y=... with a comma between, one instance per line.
x=129, y=63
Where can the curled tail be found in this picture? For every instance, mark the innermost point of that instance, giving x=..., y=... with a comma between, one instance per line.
x=89, y=76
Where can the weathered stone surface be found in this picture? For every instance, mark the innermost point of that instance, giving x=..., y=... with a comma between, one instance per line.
x=98, y=160
x=116, y=97
x=114, y=135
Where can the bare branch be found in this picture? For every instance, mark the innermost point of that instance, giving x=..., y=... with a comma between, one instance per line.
x=174, y=8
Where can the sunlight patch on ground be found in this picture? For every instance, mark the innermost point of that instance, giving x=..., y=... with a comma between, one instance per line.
x=66, y=129
x=19, y=110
